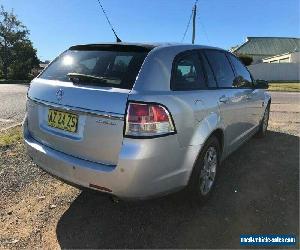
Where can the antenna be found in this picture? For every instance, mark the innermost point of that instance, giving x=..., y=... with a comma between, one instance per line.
x=112, y=28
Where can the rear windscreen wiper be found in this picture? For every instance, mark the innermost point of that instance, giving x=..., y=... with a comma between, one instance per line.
x=80, y=78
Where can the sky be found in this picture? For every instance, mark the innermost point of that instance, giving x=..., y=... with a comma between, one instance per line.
x=55, y=25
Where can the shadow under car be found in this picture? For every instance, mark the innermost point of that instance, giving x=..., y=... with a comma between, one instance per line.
x=257, y=192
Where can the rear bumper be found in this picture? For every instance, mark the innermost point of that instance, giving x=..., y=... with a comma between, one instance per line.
x=146, y=168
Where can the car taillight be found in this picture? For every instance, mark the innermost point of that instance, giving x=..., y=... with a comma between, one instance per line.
x=148, y=120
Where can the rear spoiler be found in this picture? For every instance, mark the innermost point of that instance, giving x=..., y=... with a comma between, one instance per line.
x=112, y=47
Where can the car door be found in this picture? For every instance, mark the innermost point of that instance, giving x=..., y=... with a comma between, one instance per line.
x=189, y=86
x=232, y=100
x=254, y=99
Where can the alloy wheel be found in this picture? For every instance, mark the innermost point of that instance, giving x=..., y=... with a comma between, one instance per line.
x=208, y=170
x=266, y=119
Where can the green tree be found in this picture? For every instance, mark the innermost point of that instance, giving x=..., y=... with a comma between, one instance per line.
x=17, y=55
x=246, y=59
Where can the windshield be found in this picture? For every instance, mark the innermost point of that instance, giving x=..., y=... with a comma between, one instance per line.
x=118, y=68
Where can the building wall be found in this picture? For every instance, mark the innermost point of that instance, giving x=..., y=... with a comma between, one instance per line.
x=285, y=58
x=275, y=71
x=257, y=58
x=295, y=57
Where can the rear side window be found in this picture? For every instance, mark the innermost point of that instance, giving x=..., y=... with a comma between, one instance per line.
x=187, y=73
x=94, y=67
x=243, y=77
x=221, y=68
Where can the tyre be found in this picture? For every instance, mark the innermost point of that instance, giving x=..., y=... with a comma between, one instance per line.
x=263, y=127
x=204, y=174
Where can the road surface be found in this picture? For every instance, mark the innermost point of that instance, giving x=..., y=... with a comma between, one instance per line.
x=285, y=111
x=12, y=104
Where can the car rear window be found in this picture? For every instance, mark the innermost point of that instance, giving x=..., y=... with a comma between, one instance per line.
x=108, y=68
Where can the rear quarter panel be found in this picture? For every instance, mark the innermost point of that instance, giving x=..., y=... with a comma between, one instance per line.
x=195, y=113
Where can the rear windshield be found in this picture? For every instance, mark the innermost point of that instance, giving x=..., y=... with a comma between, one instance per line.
x=93, y=67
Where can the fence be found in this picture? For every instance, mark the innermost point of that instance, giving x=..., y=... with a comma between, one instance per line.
x=276, y=71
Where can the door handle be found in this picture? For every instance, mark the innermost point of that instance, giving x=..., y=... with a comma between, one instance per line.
x=198, y=101
x=223, y=99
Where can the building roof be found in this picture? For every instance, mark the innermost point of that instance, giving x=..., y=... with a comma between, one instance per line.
x=268, y=46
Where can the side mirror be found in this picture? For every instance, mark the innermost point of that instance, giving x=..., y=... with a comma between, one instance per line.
x=261, y=84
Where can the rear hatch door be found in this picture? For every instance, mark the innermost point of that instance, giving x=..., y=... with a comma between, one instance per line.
x=78, y=103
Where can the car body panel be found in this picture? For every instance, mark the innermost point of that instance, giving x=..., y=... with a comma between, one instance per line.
x=84, y=97
x=234, y=115
x=99, y=121
x=140, y=173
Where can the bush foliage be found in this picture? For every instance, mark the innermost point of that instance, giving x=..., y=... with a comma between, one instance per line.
x=246, y=59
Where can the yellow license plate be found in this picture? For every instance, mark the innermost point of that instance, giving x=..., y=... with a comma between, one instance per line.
x=62, y=120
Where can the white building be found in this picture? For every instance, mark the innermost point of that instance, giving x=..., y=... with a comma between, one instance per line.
x=274, y=58
x=264, y=47
x=292, y=57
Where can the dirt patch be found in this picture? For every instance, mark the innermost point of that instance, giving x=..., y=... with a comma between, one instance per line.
x=31, y=201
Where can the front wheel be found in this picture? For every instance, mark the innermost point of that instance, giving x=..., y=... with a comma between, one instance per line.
x=205, y=170
x=264, y=123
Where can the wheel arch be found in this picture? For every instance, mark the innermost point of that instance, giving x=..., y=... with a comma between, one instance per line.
x=219, y=134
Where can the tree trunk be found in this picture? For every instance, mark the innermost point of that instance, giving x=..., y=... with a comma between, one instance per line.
x=5, y=60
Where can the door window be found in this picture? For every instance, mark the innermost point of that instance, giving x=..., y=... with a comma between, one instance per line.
x=221, y=68
x=243, y=77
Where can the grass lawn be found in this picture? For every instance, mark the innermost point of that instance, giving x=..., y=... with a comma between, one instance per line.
x=295, y=87
x=10, y=136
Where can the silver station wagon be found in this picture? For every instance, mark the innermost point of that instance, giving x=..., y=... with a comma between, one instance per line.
x=140, y=120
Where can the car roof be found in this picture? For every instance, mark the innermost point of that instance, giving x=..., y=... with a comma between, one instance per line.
x=138, y=46
x=155, y=73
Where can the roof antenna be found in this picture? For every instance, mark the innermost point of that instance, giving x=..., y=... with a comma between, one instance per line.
x=112, y=28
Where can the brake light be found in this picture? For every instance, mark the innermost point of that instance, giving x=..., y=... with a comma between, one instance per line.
x=147, y=119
